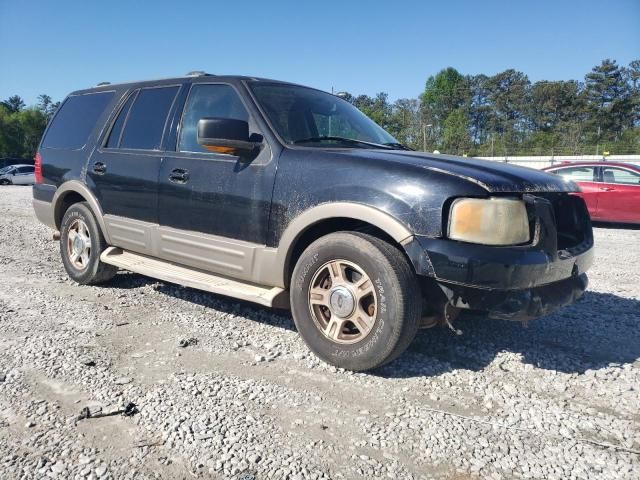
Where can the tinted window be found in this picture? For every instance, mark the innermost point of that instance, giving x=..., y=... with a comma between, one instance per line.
x=116, y=131
x=25, y=170
x=577, y=174
x=313, y=118
x=208, y=101
x=620, y=175
x=147, y=118
x=75, y=120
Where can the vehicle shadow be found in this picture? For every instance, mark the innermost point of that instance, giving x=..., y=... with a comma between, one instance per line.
x=599, y=330
x=617, y=226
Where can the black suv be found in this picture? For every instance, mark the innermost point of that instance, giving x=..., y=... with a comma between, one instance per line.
x=291, y=197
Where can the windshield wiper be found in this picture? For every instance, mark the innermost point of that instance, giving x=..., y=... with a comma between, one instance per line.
x=342, y=139
x=398, y=146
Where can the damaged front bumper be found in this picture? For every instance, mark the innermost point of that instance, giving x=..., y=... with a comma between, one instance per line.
x=519, y=282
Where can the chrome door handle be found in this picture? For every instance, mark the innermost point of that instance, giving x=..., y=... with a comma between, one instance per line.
x=99, y=168
x=607, y=189
x=179, y=175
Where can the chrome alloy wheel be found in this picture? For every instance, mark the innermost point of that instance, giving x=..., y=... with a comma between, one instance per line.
x=79, y=244
x=342, y=301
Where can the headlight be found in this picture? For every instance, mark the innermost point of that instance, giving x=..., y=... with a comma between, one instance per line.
x=493, y=221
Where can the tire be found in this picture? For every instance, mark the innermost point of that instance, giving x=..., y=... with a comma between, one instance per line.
x=87, y=269
x=4, y=181
x=385, y=310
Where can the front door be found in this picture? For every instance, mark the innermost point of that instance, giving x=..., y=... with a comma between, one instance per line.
x=123, y=172
x=214, y=208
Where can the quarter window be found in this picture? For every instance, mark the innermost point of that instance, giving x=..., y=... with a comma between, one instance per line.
x=204, y=101
x=146, y=121
x=75, y=120
x=577, y=174
x=620, y=175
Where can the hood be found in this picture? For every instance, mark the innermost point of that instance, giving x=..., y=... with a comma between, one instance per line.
x=495, y=177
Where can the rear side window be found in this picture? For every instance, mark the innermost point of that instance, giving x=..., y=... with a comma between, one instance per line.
x=620, y=175
x=146, y=120
x=75, y=120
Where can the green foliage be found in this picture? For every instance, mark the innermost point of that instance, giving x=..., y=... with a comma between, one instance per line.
x=21, y=128
x=505, y=114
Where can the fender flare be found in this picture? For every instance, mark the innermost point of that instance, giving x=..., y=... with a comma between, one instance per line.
x=75, y=186
x=326, y=211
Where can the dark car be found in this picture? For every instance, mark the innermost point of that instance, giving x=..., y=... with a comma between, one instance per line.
x=291, y=197
x=611, y=190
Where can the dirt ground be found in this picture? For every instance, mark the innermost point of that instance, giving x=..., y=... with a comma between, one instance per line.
x=245, y=399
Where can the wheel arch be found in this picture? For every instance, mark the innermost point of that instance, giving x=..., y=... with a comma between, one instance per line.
x=72, y=192
x=333, y=217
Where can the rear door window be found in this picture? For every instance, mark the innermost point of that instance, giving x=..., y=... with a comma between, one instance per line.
x=577, y=174
x=75, y=120
x=146, y=120
x=620, y=175
x=204, y=101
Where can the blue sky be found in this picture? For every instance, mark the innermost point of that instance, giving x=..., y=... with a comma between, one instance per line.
x=359, y=46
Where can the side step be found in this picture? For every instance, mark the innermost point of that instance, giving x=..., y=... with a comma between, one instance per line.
x=194, y=278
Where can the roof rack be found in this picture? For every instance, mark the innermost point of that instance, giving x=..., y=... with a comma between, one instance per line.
x=198, y=73
x=103, y=83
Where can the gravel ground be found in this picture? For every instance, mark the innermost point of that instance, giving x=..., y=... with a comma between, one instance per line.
x=558, y=399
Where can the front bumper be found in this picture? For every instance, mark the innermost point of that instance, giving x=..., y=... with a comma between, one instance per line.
x=516, y=282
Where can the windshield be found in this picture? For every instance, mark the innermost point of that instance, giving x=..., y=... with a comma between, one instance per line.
x=303, y=116
x=5, y=169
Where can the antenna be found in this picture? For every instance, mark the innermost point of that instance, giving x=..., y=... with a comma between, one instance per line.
x=101, y=84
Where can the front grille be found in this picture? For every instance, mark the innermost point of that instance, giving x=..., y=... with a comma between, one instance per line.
x=573, y=232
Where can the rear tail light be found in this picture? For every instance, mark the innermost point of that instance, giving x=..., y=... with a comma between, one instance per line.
x=38, y=168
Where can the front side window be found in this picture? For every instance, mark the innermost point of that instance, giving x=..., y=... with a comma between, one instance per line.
x=206, y=101
x=620, y=175
x=25, y=170
x=146, y=120
x=308, y=117
x=577, y=174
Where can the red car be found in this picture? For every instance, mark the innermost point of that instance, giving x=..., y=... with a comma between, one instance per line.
x=611, y=190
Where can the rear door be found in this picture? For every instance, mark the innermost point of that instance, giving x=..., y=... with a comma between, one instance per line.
x=213, y=207
x=123, y=172
x=619, y=199
x=586, y=177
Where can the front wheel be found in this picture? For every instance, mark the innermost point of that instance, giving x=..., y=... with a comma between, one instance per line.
x=81, y=243
x=355, y=300
x=4, y=181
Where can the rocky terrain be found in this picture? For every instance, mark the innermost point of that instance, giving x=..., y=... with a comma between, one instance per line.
x=224, y=389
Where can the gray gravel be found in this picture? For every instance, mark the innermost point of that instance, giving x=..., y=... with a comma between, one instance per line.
x=500, y=401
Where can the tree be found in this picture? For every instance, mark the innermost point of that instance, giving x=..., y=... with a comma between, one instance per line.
x=47, y=106
x=508, y=96
x=444, y=93
x=455, y=133
x=608, y=96
x=14, y=104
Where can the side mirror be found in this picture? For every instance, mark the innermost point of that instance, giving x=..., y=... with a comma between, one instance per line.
x=225, y=135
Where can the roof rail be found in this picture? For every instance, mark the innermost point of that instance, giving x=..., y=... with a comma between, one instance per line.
x=103, y=83
x=198, y=73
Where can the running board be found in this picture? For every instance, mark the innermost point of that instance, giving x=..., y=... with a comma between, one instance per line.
x=194, y=278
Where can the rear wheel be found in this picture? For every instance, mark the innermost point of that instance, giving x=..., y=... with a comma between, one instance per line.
x=355, y=300
x=81, y=243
